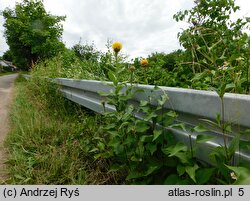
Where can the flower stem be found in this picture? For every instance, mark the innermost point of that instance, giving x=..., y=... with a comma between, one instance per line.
x=191, y=145
x=131, y=78
x=247, y=76
x=223, y=127
x=116, y=58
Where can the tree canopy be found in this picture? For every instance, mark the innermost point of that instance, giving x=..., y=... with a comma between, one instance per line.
x=32, y=33
x=86, y=51
x=212, y=37
x=8, y=56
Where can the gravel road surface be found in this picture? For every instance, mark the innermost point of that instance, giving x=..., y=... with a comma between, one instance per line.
x=6, y=86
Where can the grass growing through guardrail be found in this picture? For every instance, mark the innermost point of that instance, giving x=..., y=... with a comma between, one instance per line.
x=47, y=142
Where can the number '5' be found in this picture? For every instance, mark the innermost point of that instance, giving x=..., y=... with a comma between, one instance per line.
x=241, y=192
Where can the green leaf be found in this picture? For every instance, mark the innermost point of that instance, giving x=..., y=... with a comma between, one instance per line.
x=221, y=90
x=228, y=128
x=212, y=123
x=217, y=155
x=190, y=170
x=151, y=169
x=94, y=150
x=181, y=169
x=102, y=155
x=234, y=145
x=183, y=157
x=113, y=133
x=129, y=140
x=156, y=88
x=230, y=86
x=218, y=119
x=135, y=159
x=17, y=176
x=172, y=114
x=140, y=149
x=163, y=99
x=121, y=70
x=109, y=126
x=157, y=133
x=116, y=145
x=141, y=126
x=136, y=91
x=103, y=93
x=118, y=88
x=198, y=76
x=151, y=147
x=130, y=109
x=203, y=175
x=134, y=175
x=203, y=138
x=150, y=116
x=116, y=167
x=242, y=174
x=175, y=150
x=146, y=138
x=118, y=149
x=101, y=146
x=180, y=126
x=172, y=179
x=143, y=103
x=126, y=123
x=112, y=77
x=200, y=128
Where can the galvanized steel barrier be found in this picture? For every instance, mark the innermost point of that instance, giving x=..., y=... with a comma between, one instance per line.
x=190, y=105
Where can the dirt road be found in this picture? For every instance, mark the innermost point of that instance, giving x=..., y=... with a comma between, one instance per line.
x=6, y=85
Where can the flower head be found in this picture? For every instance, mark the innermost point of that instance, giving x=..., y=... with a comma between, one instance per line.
x=117, y=46
x=233, y=175
x=144, y=62
x=131, y=68
x=239, y=59
x=225, y=66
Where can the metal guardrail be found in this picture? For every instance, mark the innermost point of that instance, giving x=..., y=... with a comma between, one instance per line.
x=190, y=105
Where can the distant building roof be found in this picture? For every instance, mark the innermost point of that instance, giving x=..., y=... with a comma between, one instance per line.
x=2, y=63
x=9, y=64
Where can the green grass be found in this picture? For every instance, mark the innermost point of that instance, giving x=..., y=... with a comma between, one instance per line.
x=49, y=140
x=7, y=73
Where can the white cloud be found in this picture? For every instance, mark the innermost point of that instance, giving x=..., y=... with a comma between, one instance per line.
x=143, y=26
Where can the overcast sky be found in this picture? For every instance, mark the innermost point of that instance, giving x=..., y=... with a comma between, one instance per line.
x=143, y=26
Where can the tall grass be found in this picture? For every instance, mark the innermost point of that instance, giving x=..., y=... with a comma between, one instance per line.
x=67, y=65
x=49, y=140
x=6, y=73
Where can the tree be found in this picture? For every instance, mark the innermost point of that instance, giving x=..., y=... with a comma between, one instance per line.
x=86, y=52
x=212, y=37
x=8, y=56
x=167, y=61
x=32, y=33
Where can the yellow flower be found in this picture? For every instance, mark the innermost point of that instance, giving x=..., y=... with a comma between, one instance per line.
x=117, y=46
x=144, y=62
